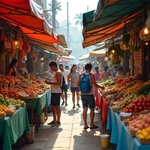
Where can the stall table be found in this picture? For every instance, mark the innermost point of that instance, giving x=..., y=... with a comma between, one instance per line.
x=103, y=105
x=11, y=128
x=39, y=103
x=120, y=134
x=36, y=107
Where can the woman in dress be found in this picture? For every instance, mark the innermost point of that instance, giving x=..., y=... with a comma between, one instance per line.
x=72, y=78
x=12, y=68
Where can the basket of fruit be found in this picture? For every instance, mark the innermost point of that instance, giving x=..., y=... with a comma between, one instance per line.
x=143, y=136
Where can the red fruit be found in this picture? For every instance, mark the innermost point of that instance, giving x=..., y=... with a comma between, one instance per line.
x=143, y=103
x=148, y=103
x=135, y=110
x=140, y=108
x=138, y=104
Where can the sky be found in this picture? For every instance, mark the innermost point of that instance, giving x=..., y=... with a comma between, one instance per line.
x=75, y=7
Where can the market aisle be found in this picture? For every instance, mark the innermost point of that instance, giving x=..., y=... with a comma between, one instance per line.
x=70, y=136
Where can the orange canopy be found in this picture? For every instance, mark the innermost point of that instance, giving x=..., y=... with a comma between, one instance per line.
x=107, y=32
x=18, y=13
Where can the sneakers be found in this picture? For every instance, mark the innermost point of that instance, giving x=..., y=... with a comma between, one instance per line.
x=66, y=104
x=63, y=103
x=78, y=105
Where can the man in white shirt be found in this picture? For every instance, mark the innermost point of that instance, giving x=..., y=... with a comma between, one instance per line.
x=64, y=91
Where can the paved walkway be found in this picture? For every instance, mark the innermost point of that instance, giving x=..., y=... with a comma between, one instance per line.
x=70, y=135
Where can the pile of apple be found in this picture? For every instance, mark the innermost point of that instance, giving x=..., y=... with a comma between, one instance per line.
x=138, y=105
x=139, y=123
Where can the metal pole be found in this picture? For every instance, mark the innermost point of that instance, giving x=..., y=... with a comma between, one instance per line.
x=54, y=14
x=87, y=8
x=68, y=23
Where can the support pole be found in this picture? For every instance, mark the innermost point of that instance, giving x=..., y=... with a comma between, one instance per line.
x=54, y=14
x=68, y=23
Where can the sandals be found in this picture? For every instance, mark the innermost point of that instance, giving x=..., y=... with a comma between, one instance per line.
x=94, y=127
x=51, y=123
x=85, y=128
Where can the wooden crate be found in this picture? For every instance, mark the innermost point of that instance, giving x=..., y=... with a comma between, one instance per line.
x=143, y=141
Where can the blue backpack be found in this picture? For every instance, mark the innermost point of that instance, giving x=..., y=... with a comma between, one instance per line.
x=85, y=83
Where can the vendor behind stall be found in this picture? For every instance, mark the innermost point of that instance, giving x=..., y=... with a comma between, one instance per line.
x=120, y=71
x=12, y=68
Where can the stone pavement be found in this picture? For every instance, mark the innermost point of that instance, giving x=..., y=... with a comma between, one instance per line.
x=70, y=135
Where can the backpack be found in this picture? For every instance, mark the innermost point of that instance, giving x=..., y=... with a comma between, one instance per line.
x=63, y=86
x=85, y=83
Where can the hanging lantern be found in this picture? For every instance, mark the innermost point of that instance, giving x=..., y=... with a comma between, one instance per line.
x=16, y=44
x=106, y=58
x=145, y=34
x=113, y=52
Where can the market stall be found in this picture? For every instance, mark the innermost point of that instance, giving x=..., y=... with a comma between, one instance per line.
x=125, y=108
x=120, y=134
x=11, y=128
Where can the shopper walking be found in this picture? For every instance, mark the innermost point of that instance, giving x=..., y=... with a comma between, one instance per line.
x=86, y=81
x=65, y=74
x=55, y=94
x=73, y=77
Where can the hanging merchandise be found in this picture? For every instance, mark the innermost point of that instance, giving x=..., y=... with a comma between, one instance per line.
x=21, y=55
x=26, y=45
x=20, y=42
x=8, y=44
x=135, y=43
x=115, y=56
x=124, y=45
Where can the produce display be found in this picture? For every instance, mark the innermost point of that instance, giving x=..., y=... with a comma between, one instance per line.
x=126, y=101
x=10, y=101
x=139, y=123
x=13, y=89
x=144, y=133
x=5, y=111
x=138, y=105
x=130, y=97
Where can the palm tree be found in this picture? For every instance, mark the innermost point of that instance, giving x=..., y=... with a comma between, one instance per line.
x=78, y=18
x=58, y=6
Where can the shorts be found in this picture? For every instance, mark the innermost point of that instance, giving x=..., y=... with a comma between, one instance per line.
x=55, y=99
x=88, y=101
x=65, y=89
x=75, y=89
